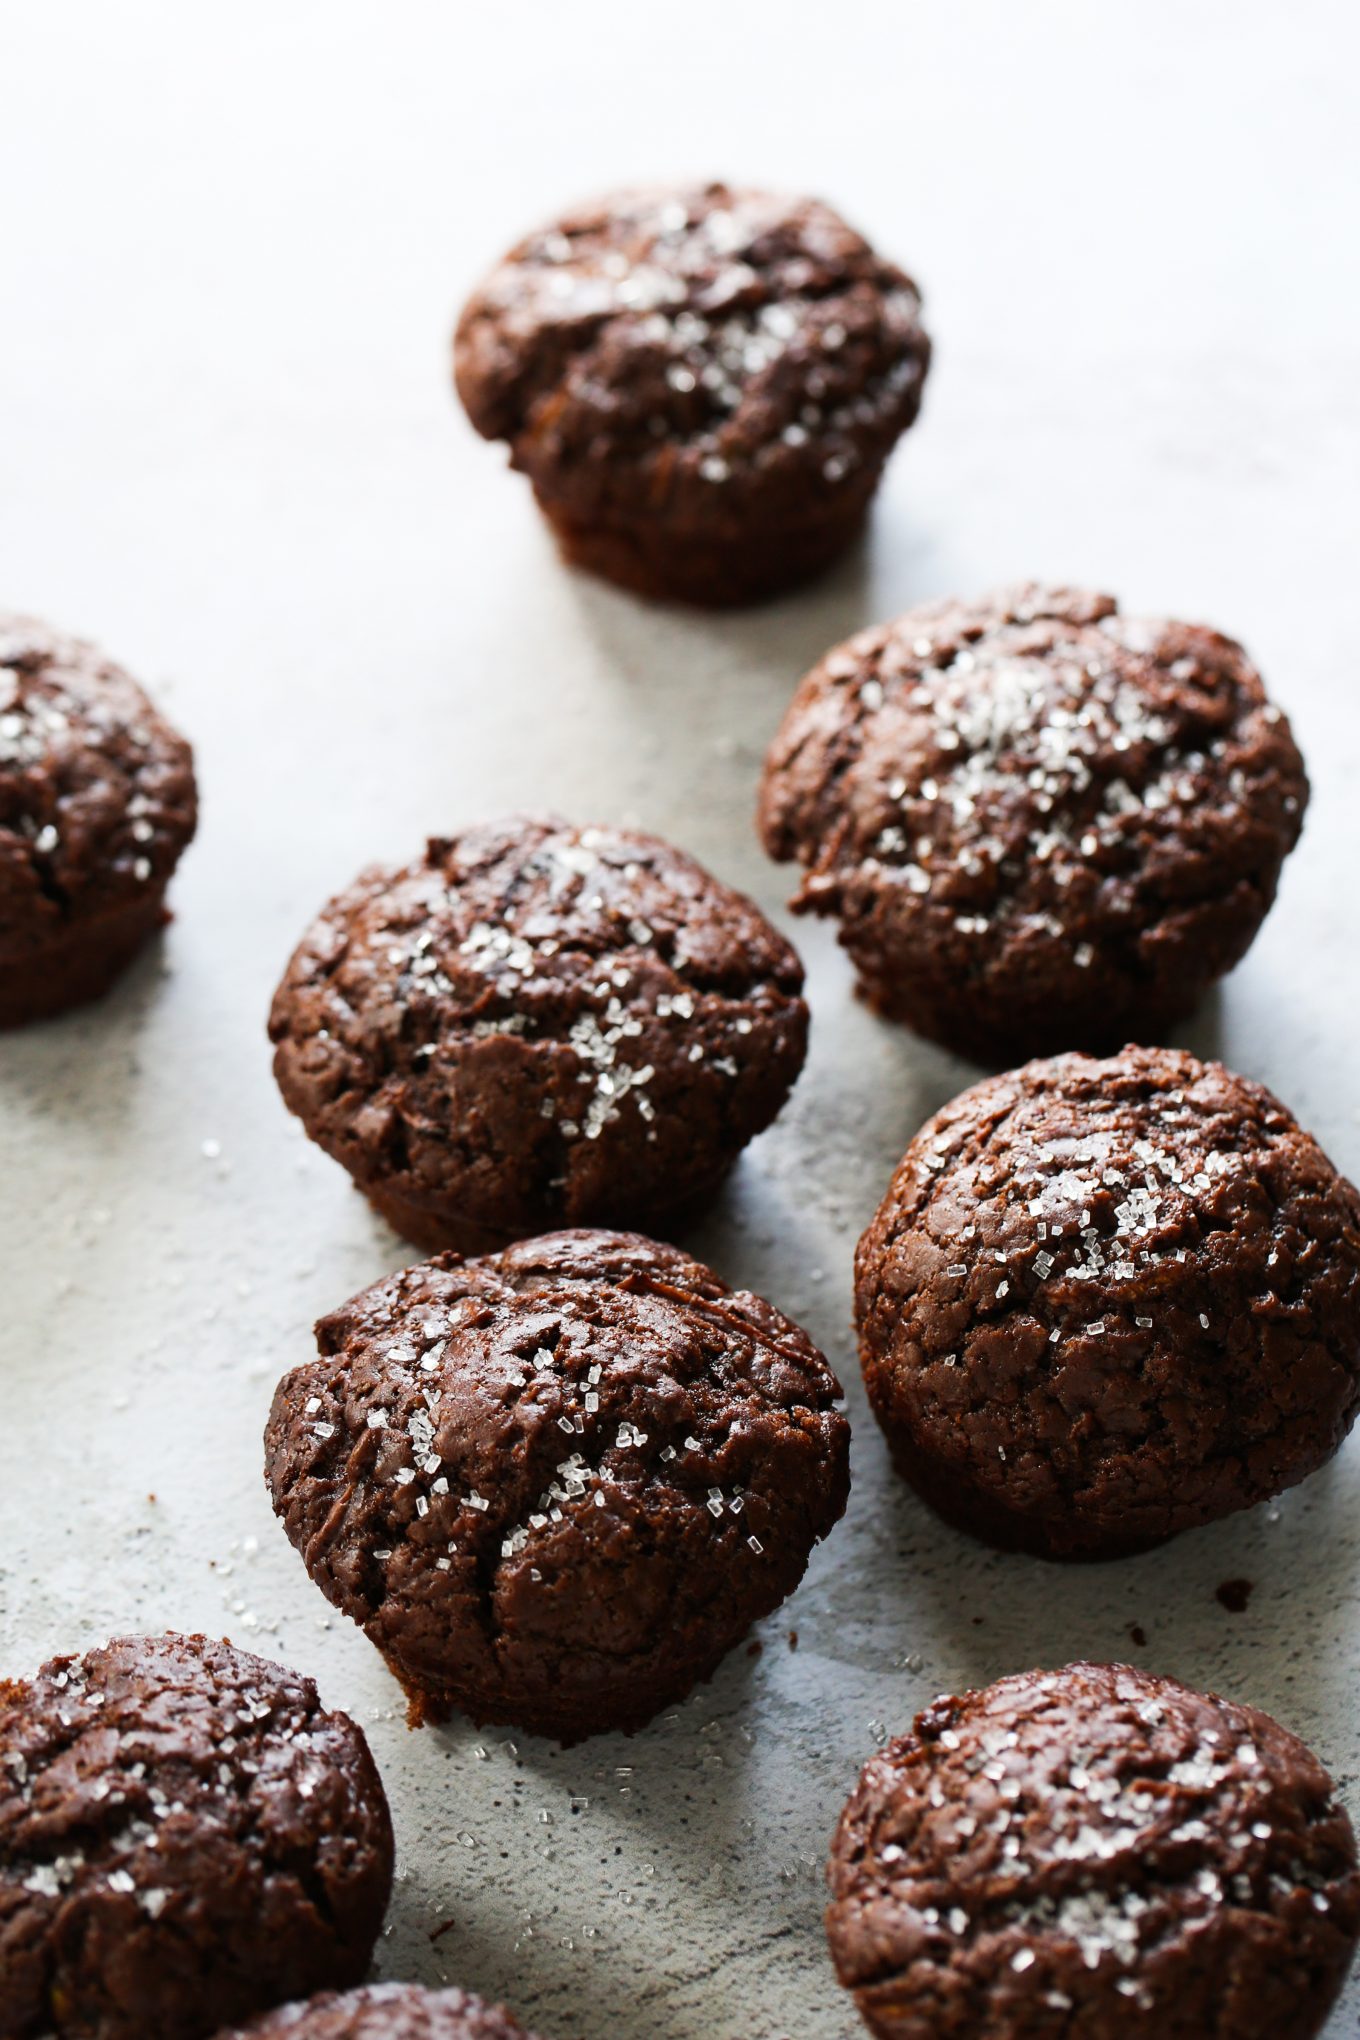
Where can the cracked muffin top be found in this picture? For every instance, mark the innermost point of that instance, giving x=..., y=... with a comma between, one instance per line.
x=97, y=797
x=1042, y=825
x=694, y=362
x=387, y=2011
x=185, y=1836
x=1093, y=1851
x=1103, y=1302
x=556, y=1485
x=538, y=1024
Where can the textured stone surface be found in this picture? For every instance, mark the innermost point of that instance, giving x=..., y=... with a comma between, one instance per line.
x=232, y=454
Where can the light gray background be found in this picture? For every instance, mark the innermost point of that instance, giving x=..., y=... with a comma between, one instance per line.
x=234, y=240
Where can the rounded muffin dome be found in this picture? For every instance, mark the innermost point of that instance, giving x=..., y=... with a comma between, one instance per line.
x=97, y=803
x=386, y=2011
x=538, y=1025
x=1041, y=825
x=1093, y=1851
x=702, y=384
x=556, y=1485
x=1103, y=1302
x=186, y=1836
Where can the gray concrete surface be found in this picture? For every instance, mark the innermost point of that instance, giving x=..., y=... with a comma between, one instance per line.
x=234, y=241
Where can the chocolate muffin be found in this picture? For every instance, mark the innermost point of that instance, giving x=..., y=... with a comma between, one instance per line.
x=702, y=384
x=387, y=2011
x=1103, y=1302
x=1040, y=824
x=186, y=1836
x=1094, y=1852
x=538, y=1025
x=97, y=801
x=556, y=1486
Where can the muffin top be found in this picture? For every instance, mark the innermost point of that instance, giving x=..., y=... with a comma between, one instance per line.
x=538, y=1023
x=1093, y=1850
x=1110, y=1300
x=554, y=1485
x=97, y=797
x=684, y=346
x=185, y=1836
x=387, y=2011
x=1031, y=802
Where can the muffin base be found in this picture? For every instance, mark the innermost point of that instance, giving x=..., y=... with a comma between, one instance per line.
x=989, y=1522
x=80, y=965
x=1018, y=1037
x=618, y=1708
x=707, y=570
x=437, y=1232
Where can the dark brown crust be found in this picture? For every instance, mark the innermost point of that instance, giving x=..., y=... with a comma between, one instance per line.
x=1041, y=825
x=555, y=1487
x=387, y=2011
x=97, y=803
x=713, y=567
x=1104, y=1302
x=185, y=1837
x=81, y=963
x=702, y=384
x=1097, y=1852
x=538, y=1025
